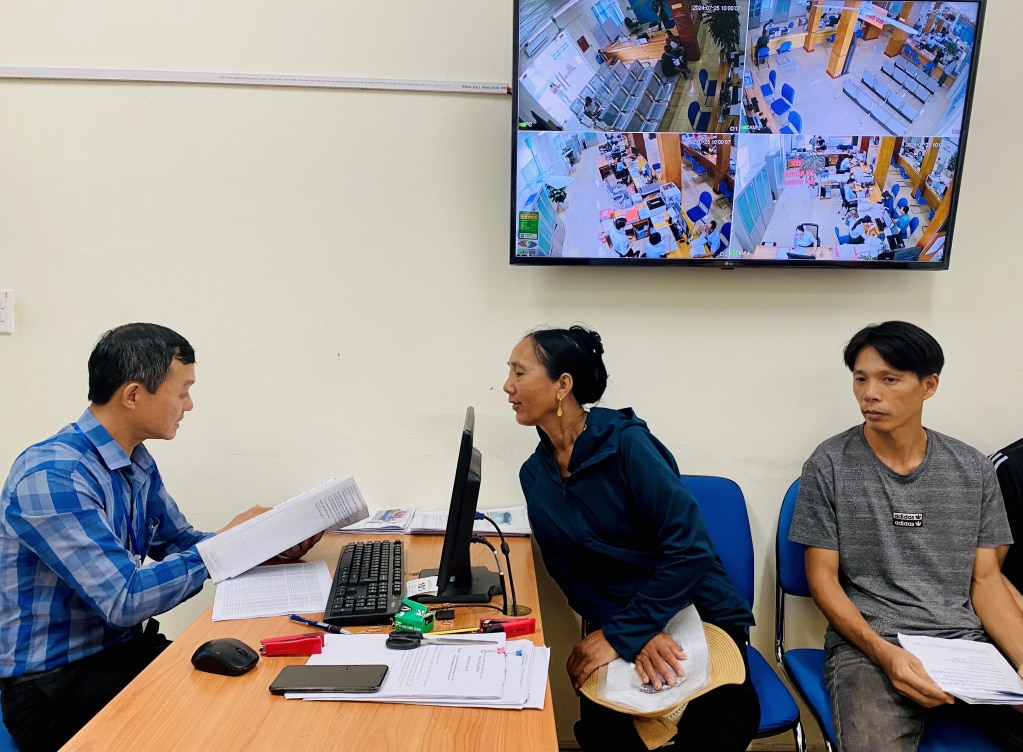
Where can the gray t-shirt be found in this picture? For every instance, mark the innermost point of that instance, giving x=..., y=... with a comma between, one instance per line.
x=906, y=543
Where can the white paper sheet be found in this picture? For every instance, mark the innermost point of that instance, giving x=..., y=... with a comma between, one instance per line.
x=429, y=671
x=511, y=520
x=975, y=672
x=621, y=684
x=273, y=590
x=259, y=539
x=529, y=661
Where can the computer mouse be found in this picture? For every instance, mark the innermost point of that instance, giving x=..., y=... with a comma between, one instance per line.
x=225, y=655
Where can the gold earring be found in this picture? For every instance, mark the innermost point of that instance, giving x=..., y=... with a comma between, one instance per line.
x=559, y=407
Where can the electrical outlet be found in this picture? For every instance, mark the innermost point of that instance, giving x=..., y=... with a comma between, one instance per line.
x=6, y=311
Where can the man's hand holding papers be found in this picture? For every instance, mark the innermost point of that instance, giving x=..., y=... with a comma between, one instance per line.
x=975, y=672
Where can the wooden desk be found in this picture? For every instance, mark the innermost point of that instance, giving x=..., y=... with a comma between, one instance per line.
x=629, y=51
x=171, y=706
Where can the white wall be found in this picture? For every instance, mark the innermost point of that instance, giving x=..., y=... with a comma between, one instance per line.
x=338, y=259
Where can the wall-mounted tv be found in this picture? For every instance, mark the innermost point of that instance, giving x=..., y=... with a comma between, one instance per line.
x=784, y=133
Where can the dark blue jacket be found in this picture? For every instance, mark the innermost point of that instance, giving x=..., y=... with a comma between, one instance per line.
x=622, y=536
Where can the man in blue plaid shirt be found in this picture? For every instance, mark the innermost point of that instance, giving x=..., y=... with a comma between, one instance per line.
x=92, y=545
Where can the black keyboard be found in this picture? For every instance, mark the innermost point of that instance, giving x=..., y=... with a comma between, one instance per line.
x=369, y=584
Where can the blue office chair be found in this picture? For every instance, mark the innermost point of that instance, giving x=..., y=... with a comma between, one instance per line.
x=726, y=193
x=710, y=87
x=805, y=666
x=698, y=120
x=783, y=49
x=794, y=125
x=830, y=40
x=901, y=202
x=726, y=240
x=914, y=223
x=724, y=512
x=698, y=168
x=842, y=239
x=929, y=67
x=699, y=211
x=784, y=103
x=895, y=189
x=767, y=90
x=762, y=54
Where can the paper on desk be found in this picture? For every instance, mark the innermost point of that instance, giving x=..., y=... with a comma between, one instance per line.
x=511, y=520
x=621, y=684
x=244, y=546
x=273, y=590
x=432, y=671
x=975, y=672
x=528, y=662
x=394, y=521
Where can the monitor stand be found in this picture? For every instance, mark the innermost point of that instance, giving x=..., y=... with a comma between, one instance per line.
x=485, y=585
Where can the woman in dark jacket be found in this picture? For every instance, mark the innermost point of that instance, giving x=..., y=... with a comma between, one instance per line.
x=624, y=540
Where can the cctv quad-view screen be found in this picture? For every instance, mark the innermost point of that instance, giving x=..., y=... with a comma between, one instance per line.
x=761, y=133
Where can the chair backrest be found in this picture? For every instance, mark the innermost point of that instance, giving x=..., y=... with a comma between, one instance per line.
x=784, y=47
x=815, y=229
x=694, y=111
x=902, y=202
x=706, y=200
x=788, y=93
x=796, y=121
x=789, y=568
x=913, y=224
x=726, y=233
x=762, y=53
x=703, y=78
x=895, y=189
x=724, y=513
x=773, y=76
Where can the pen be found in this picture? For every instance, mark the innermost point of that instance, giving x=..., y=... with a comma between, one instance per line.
x=319, y=625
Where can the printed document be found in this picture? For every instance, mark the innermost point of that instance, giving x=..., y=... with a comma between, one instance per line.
x=975, y=672
x=621, y=684
x=244, y=546
x=273, y=590
x=511, y=520
x=431, y=670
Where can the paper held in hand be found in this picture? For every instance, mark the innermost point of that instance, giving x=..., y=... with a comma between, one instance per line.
x=259, y=539
x=975, y=672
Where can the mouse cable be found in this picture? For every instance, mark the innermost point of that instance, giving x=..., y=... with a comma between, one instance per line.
x=506, y=550
x=500, y=570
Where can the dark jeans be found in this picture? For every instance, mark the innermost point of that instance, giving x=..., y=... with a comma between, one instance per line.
x=869, y=715
x=723, y=720
x=43, y=711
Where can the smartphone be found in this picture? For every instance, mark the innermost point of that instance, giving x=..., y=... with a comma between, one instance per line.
x=347, y=678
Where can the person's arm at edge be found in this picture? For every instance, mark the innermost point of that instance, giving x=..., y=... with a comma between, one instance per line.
x=903, y=669
x=995, y=606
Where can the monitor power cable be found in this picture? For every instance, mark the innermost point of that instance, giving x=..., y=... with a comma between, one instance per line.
x=500, y=570
x=506, y=550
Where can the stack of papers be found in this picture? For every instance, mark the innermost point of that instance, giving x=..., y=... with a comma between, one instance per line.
x=495, y=673
x=386, y=521
x=975, y=672
x=273, y=590
x=511, y=520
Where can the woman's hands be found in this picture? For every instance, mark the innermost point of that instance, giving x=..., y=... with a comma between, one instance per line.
x=589, y=654
x=660, y=661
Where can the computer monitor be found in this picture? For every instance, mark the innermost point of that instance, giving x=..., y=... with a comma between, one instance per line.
x=457, y=580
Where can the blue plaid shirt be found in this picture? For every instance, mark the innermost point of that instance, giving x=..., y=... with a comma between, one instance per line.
x=69, y=585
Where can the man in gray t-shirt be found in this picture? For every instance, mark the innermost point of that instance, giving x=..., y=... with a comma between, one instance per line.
x=902, y=526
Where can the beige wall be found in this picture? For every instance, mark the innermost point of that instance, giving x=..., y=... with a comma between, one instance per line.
x=338, y=259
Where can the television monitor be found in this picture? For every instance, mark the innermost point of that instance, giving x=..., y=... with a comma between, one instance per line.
x=711, y=147
x=457, y=580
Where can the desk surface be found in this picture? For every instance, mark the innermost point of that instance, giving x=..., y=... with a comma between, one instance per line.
x=171, y=706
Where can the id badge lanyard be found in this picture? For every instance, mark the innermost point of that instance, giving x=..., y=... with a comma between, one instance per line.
x=133, y=542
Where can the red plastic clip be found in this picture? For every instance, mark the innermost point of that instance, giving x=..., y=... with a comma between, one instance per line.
x=309, y=643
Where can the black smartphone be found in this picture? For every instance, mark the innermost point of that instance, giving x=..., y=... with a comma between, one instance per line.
x=346, y=678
